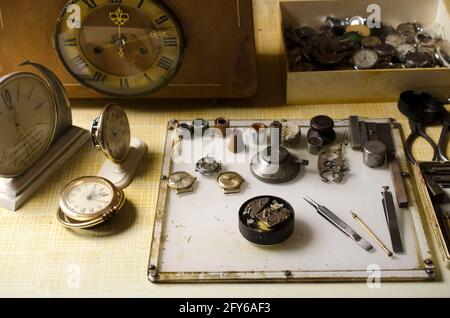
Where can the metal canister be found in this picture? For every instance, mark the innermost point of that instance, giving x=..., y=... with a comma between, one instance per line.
x=259, y=132
x=315, y=145
x=374, y=153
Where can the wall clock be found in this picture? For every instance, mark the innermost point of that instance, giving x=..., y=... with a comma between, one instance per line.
x=149, y=48
x=120, y=48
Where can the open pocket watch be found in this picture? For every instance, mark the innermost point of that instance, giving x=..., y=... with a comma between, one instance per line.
x=88, y=202
x=111, y=133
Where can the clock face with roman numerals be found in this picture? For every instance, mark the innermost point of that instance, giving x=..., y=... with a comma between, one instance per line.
x=120, y=48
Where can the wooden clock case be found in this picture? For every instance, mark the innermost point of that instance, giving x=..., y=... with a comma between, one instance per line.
x=220, y=57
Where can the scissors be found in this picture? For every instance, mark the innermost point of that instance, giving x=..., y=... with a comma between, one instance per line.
x=422, y=110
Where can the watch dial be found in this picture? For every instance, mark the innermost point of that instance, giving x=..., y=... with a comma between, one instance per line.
x=115, y=131
x=181, y=180
x=88, y=198
x=27, y=120
x=365, y=59
x=120, y=48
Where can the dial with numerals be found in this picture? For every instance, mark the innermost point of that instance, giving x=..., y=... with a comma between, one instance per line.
x=28, y=119
x=90, y=199
x=111, y=133
x=122, y=47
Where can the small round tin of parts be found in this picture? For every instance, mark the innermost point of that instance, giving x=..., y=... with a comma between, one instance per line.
x=230, y=182
x=208, y=166
x=374, y=153
x=259, y=132
x=181, y=182
x=200, y=126
x=266, y=220
x=315, y=145
x=222, y=124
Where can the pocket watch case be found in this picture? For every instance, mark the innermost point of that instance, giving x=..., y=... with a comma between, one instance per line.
x=219, y=57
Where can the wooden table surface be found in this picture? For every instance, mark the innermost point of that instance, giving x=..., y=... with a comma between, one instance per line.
x=38, y=257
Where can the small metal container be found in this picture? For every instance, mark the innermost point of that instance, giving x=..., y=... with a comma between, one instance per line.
x=222, y=124
x=374, y=153
x=259, y=133
x=315, y=145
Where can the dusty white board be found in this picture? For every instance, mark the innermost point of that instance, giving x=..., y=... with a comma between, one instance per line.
x=196, y=235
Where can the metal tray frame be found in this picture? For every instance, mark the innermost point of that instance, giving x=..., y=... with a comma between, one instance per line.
x=423, y=271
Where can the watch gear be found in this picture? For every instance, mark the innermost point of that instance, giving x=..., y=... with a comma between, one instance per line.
x=208, y=166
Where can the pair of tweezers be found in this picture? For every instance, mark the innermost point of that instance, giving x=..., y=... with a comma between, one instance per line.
x=341, y=225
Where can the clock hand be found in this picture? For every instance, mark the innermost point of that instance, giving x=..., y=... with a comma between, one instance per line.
x=152, y=34
x=119, y=18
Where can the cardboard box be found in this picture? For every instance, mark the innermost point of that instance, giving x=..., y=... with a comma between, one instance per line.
x=368, y=85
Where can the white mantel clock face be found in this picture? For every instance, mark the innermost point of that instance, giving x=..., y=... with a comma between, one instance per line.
x=120, y=48
x=27, y=120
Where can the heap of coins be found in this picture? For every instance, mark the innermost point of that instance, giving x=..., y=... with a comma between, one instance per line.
x=345, y=44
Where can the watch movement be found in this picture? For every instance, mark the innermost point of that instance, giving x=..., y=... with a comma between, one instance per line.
x=120, y=48
x=111, y=133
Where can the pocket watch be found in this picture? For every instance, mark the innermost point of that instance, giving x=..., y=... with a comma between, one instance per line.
x=416, y=59
x=394, y=39
x=88, y=202
x=111, y=133
x=230, y=182
x=181, y=182
x=365, y=59
x=32, y=116
x=403, y=50
x=120, y=48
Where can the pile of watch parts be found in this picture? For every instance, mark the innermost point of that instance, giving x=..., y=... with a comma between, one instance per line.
x=346, y=44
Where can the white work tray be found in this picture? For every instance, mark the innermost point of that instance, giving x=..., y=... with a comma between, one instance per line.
x=196, y=236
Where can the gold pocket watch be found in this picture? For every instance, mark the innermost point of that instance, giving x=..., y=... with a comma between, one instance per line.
x=33, y=114
x=111, y=133
x=88, y=202
x=120, y=48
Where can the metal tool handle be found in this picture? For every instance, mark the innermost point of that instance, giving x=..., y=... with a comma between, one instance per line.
x=335, y=220
x=442, y=145
x=416, y=131
x=399, y=185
